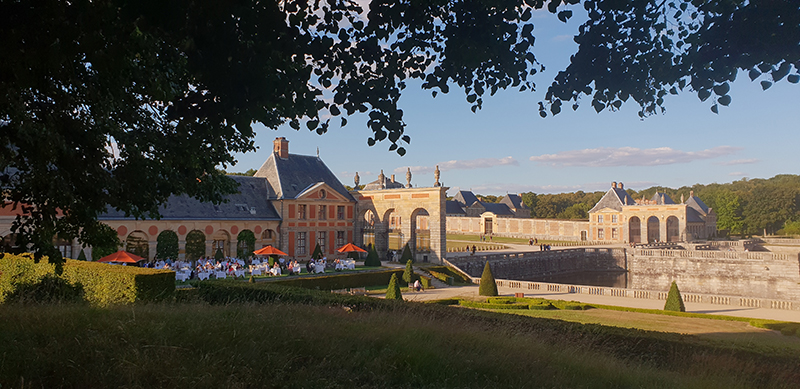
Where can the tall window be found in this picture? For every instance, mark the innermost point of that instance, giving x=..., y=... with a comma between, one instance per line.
x=323, y=212
x=614, y=234
x=339, y=238
x=614, y=218
x=321, y=240
x=601, y=234
x=300, y=246
x=599, y=218
x=395, y=222
x=340, y=212
x=301, y=211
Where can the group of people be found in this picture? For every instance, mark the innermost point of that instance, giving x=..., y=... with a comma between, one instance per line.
x=483, y=237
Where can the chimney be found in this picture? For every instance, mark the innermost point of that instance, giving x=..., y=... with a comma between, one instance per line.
x=392, y=178
x=614, y=185
x=281, y=147
x=621, y=186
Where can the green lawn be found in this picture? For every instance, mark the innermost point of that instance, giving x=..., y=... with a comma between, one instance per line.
x=332, y=341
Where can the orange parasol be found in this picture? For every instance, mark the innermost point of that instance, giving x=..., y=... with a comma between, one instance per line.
x=269, y=250
x=349, y=248
x=121, y=257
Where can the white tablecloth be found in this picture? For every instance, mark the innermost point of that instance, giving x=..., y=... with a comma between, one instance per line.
x=220, y=274
x=319, y=268
x=238, y=273
x=203, y=275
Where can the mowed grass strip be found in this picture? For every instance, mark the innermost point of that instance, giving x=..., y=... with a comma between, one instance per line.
x=330, y=346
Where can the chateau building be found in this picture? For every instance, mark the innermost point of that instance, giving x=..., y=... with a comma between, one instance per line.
x=619, y=218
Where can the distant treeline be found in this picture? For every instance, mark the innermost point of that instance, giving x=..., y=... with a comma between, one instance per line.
x=744, y=207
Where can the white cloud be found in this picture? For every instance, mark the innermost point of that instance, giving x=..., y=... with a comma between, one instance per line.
x=630, y=156
x=739, y=162
x=469, y=164
x=737, y=174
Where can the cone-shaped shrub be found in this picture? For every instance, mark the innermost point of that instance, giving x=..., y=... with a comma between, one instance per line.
x=406, y=255
x=674, y=299
x=82, y=256
x=218, y=255
x=317, y=254
x=393, y=292
x=408, y=275
x=487, y=287
x=372, y=257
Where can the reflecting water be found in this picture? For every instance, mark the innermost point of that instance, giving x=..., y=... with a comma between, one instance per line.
x=591, y=278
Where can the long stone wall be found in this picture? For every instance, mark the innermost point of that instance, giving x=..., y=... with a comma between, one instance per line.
x=732, y=273
x=749, y=275
x=520, y=227
x=543, y=263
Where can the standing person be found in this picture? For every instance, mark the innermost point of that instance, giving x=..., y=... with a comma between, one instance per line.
x=473, y=249
x=530, y=242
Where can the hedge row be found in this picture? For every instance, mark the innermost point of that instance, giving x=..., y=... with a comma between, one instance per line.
x=524, y=303
x=341, y=281
x=231, y=291
x=441, y=277
x=457, y=276
x=99, y=284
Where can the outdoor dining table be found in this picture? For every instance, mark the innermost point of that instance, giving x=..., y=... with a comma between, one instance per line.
x=238, y=273
x=319, y=268
x=203, y=275
x=220, y=275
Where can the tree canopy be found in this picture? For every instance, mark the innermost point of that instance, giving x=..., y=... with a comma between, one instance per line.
x=121, y=103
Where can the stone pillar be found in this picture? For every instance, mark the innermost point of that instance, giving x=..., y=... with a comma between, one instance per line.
x=438, y=227
x=644, y=234
x=234, y=249
x=182, y=248
x=152, y=247
x=382, y=238
x=408, y=235
x=662, y=228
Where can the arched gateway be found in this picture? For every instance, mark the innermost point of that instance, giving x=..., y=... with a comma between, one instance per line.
x=395, y=217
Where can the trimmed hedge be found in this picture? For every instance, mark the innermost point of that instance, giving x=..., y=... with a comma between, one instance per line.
x=231, y=291
x=488, y=286
x=674, y=300
x=457, y=276
x=341, y=281
x=102, y=284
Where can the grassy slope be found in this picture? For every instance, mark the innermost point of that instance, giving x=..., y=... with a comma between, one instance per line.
x=326, y=345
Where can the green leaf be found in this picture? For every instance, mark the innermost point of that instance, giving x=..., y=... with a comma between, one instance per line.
x=754, y=73
x=715, y=109
x=401, y=151
x=371, y=142
x=722, y=89
x=294, y=124
x=471, y=98
x=312, y=124
x=793, y=78
x=765, y=85
x=564, y=15
x=724, y=100
x=703, y=94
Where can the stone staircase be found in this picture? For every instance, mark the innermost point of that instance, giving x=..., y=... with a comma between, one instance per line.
x=434, y=281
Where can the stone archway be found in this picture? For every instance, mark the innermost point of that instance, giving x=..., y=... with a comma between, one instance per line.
x=366, y=223
x=167, y=246
x=673, y=229
x=420, y=231
x=246, y=243
x=403, y=204
x=195, y=245
x=221, y=241
x=634, y=230
x=653, y=229
x=138, y=243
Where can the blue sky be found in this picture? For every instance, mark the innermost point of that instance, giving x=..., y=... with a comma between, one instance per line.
x=507, y=148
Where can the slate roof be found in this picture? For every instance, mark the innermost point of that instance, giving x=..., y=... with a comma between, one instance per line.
x=249, y=204
x=615, y=198
x=498, y=209
x=657, y=198
x=289, y=177
x=698, y=205
x=453, y=208
x=513, y=201
x=692, y=216
x=465, y=197
x=387, y=184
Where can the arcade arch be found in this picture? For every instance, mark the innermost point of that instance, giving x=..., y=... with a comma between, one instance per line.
x=653, y=229
x=420, y=230
x=221, y=242
x=634, y=230
x=195, y=245
x=138, y=243
x=673, y=229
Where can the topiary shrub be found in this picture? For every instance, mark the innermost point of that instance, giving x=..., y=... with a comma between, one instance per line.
x=408, y=274
x=82, y=256
x=317, y=253
x=167, y=245
x=372, y=257
x=393, y=291
x=218, y=255
x=488, y=287
x=406, y=255
x=674, y=300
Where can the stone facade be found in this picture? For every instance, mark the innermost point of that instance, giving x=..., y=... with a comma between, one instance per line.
x=413, y=216
x=551, y=229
